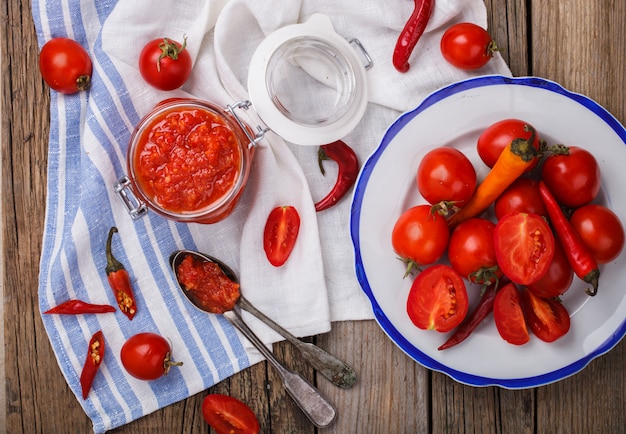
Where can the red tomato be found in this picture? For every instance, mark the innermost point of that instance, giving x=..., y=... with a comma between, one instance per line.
x=573, y=179
x=280, y=234
x=65, y=65
x=547, y=318
x=146, y=356
x=420, y=236
x=557, y=279
x=471, y=251
x=508, y=315
x=437, y=299
x=521, y=196
x=524, y=247
x=497, y=136
x=228, y=415
x=601, y=231
x=446, y=174
x=165, y=64
x=467, y=46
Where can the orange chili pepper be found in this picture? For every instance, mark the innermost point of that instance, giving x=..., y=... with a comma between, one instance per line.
x=119, y=280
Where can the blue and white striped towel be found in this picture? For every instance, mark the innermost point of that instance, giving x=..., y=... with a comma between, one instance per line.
x=89, y=133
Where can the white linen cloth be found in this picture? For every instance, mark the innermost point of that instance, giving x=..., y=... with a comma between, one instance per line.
x=89, y=134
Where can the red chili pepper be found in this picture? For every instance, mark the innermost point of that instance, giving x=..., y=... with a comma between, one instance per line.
x=95, y=354
x=578, y=254
x=412, y=31
x=119, y=280
x=76, y=307
x=480, y=312
x=348, y=165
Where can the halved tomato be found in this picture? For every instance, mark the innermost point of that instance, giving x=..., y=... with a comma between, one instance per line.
x=508, y=315
x=228, y=415
x=524, y=246
x=437, y=299
x=547, y=317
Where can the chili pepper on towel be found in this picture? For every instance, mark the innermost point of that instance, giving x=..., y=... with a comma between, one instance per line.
x=95, y=354
x=77, y=307
x=411, y=33
x=348, y=165
x=119, y=280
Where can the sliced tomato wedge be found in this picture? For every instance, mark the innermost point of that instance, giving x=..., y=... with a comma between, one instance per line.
x=508, y=314
x=437, y=299
x=547, y=317
x=228, y=415
x=524, y=246
x=280, y=234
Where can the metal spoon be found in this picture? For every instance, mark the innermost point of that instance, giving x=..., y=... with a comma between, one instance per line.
x=319, y=411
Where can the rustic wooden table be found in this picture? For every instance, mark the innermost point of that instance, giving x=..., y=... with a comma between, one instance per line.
x=578, y=43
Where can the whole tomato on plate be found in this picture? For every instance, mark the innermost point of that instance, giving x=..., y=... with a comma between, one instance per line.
x=497, y=136
x=557, y=279
x=521, y=196
x=65, y=65
x=467, y=46
x=228, y=415
x=147, y=356
x=601, y=230
x=446, y=175
x=165, y=63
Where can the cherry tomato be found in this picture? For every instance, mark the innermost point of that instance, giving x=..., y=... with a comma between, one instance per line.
x=446, y=174
x=165, y=63
x=228, y=415
x=471, y=251
x=65, y=65
x=497, y=136
x=420, y=235
x=557, y=279
x=521, y=196
x=601, y=231
x=508, y=314
x=573, y=179
x=524, y=247
x=280, y=234
x=467, y=46
x=547, y=318
x=437, y=299
x=147, y=356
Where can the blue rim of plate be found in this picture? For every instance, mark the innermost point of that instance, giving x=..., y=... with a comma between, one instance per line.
x=368, y=167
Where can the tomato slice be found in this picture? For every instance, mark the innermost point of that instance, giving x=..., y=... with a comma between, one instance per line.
x=508, y=315
x=524, y=246
x=547, y=317
x=437, y=299
x=228, y=415
x=281, y=232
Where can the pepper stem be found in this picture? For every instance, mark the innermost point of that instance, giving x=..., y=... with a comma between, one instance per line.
x=113, y=264
x=170, y=49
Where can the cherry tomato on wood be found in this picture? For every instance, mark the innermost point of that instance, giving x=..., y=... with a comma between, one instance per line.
x=524, y=247
x=497, y=136
x=558, y=278
x=228, y=415
x=573, y=179
x=508, y=315
x=147, y=356
x=165, y=63
x=446, y=174
x=420, y=235
x=471, y=251
x=521, y=196
x=437, y=299
x=467, y=46
x=547, y=318
x=280, y=234
x=601, y=230
x=65, y=65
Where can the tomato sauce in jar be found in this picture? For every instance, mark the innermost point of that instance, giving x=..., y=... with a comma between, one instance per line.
x=207, y=285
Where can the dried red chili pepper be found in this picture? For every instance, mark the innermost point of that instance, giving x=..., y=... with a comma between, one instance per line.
x=95, y=354
x=76, y=307
x=348, y=165
x=412, y=31
x=119, y=280
x=578, y=254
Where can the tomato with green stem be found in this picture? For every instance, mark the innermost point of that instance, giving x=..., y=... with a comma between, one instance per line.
x=467, y=46
x=65, y=65
x=147, y=356
x=165, y=63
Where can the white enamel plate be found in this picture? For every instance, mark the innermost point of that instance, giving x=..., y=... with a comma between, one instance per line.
x=455, y=116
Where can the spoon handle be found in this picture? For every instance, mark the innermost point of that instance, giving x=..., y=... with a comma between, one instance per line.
x=336, y=371
x=319, y=411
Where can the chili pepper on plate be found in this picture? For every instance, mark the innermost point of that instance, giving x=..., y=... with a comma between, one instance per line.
x=348, y=165
x=95, y=354
x=77, y=307
x=119, y=280
x=411, y=33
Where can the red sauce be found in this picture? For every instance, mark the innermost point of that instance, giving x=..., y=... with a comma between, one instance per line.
x=187, y=159
x=207, y=284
